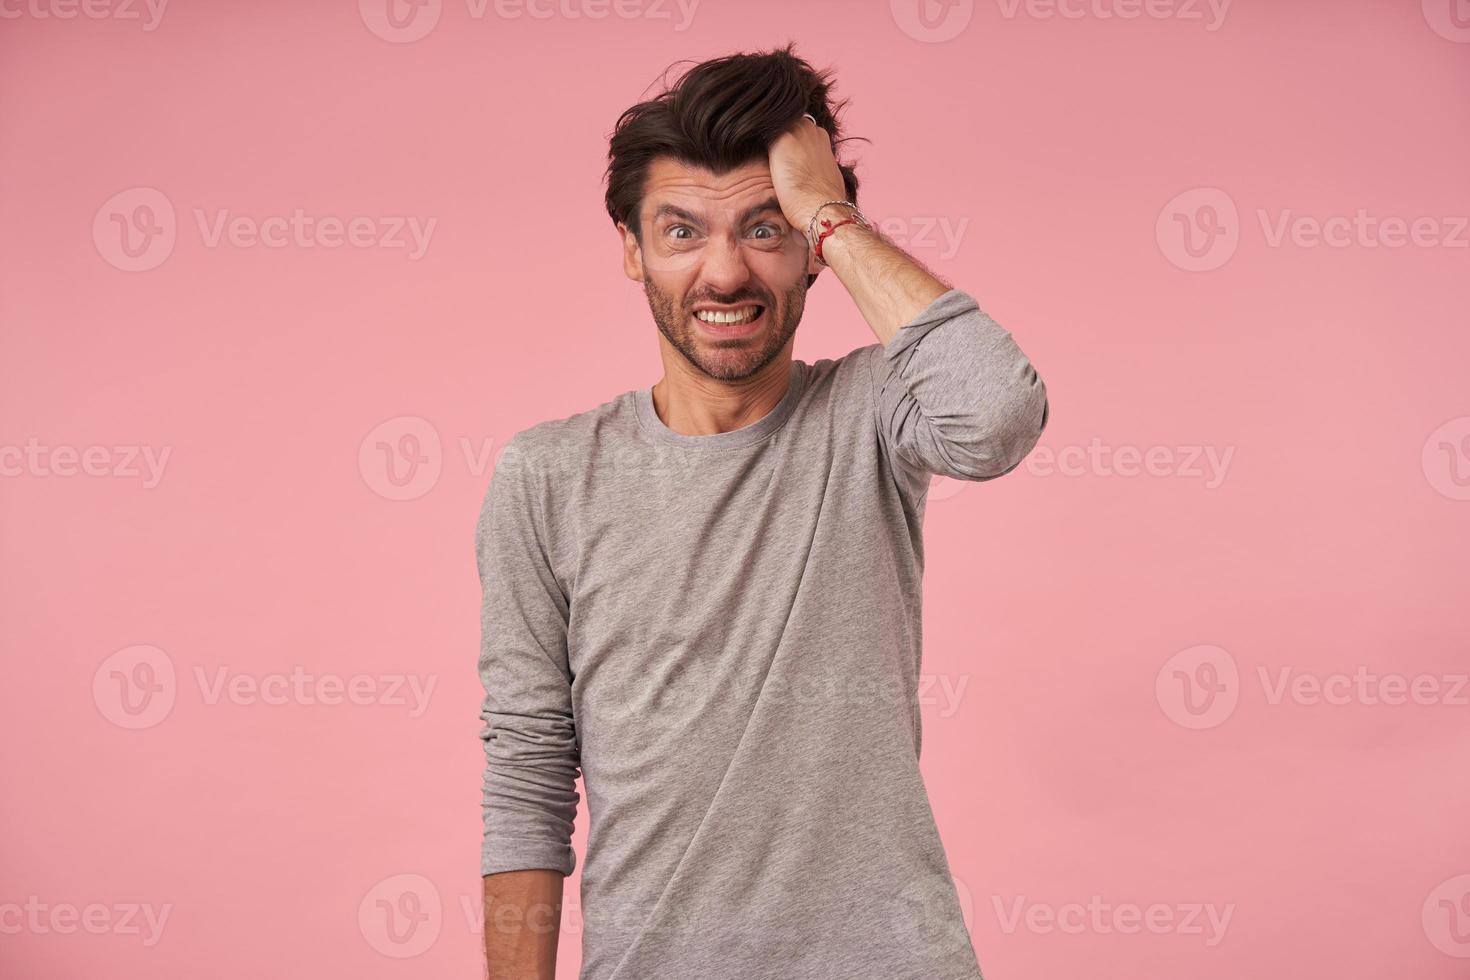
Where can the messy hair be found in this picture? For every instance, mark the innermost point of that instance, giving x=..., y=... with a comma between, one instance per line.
x=720, y=115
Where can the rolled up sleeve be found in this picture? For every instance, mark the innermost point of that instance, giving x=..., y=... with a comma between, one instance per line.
x=531, y=756
x=955, y=396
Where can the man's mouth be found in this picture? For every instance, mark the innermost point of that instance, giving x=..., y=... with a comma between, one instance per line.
x=730, y=321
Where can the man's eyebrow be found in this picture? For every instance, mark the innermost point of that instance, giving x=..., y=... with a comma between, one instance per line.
x=769, y=204
x=674, y=211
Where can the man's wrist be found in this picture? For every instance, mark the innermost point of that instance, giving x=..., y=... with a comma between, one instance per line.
x=831, y=209
x=846, y=230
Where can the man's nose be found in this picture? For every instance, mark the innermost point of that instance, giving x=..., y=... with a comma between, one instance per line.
x=724, y=269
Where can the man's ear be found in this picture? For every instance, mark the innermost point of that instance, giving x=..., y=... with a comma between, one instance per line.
x=813, y=267
x=632, y=254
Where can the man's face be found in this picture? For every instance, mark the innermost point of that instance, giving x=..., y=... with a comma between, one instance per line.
x=725, y=275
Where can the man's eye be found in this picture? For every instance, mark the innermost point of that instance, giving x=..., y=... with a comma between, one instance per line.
x=681, y=232
x=766, y=231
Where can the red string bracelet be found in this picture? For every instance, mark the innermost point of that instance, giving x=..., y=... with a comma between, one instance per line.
x=830, y=228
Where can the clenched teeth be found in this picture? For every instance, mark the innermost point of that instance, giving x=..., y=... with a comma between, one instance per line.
x=743, y=315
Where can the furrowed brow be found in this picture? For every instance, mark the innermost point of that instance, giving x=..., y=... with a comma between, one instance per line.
x=674, y=211
x=769, y=204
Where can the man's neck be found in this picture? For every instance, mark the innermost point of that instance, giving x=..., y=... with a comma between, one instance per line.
x=692, y=403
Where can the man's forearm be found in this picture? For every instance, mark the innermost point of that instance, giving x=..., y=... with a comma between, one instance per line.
x=889, y=287
x=522, y=924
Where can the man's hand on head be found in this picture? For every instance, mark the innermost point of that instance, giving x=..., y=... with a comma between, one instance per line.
x=889, y=287
x=804, y=172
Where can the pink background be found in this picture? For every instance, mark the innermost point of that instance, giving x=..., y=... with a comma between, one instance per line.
x=1112, y=642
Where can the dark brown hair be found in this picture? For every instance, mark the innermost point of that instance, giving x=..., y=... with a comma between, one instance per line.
x=720, y=114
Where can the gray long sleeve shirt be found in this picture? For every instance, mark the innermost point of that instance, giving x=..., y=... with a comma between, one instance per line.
x=724, y=633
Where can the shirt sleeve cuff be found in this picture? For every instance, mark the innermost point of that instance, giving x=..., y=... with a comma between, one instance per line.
x=499, y=854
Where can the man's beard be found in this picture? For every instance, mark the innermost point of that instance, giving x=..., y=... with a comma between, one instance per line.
x=729, y=360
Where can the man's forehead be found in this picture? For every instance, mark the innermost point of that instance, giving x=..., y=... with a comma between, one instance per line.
x=697, y=188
